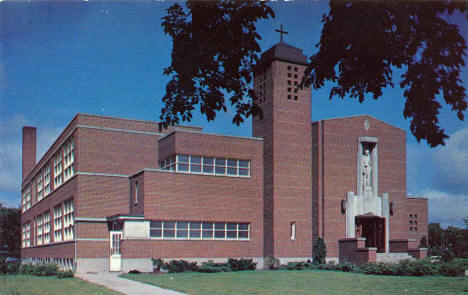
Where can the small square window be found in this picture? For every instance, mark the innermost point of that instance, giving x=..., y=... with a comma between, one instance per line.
x=415, y=228
x=289, y=96
x=295, y=97
x=415, y=215
x=295, y=76
x=411, y=216
x=295, y=82
x=289, y=82
x=295, y=69
x=411, y=228
x=289, y=75
x=289, y=89
x=411, y=222
x=289, y=68
x=295, y=90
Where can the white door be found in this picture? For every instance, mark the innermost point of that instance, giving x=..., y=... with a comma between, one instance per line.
x=115, y=254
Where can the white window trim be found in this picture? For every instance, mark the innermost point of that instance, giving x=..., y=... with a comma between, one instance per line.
x=213, y=238
x=167, y=164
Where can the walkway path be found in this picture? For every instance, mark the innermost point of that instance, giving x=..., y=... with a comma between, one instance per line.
x=129, y=287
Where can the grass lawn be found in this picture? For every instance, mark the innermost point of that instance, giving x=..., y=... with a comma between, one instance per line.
x=301, y=282
x=32, y=285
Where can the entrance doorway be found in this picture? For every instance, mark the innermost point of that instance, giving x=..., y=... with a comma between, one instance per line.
x=373, y=229
x=115, y=253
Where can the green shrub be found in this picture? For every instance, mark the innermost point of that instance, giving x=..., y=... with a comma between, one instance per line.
x=180, y=266
x=447, y=256
x=423, y=242
x=272, y=263
x=64, y=274
x=26, y=268
x=158, y=263
x=455, y=268
x=320, y=251
x=294, y=266
x=241, y=264
x=403, y=268
x=12, y=268
x=214, y=267
x=347, y=267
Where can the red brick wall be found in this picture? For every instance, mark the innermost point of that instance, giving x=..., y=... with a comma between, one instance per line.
x=417, y=206
x=286, y=132
x=337, y=159
x=102, y=196
x=91, y=230
x=92, y=249
x=61, y=250
x=114, y=152
x=174, y=196
x=29, y=150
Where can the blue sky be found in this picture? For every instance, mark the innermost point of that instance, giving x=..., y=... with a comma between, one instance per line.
x=58, y=59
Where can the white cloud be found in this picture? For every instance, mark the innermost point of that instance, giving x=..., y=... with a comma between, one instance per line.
x=10, y=155
x=445, y=208
x=451, y=164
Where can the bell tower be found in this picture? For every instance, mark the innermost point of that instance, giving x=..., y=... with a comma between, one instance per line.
x=286, y=132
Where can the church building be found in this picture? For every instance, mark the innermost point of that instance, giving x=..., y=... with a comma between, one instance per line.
x=112, y=193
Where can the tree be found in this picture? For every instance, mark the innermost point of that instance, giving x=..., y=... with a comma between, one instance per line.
x=215, y=50
x=10, y=231
x=320, y=251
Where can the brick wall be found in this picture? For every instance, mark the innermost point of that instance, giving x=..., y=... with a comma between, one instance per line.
x=286, y=131
x=336, y=156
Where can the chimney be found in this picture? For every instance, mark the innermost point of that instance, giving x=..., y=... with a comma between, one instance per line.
x=29, y=150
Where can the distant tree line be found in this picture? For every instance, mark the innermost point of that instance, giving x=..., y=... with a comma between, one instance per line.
x=449, y=242
x=10, y=232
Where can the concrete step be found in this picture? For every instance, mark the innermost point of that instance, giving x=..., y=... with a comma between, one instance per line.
x=393, y=257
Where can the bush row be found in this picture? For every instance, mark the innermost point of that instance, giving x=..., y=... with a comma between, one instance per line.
x=174, y=266
x=42, y=269
x=424, y=267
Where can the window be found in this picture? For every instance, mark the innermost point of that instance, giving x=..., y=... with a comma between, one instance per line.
x=199, y=230
x=26, y=234
x=413, y=221
x=295, y=97
x=58, y=180
x=295, y=69
x=68, y=220
x=68, y=160
x=63, y=163
x=289, y=89
x=289, y=82
x=46, y=227
x=40, y=186
x=289, y=68
x=136, y=192
x=58, y=223
x=39, y=232
x=46, y=173
x=293, y=231
x=27, y=198
x=289, y=96
x=207, y=165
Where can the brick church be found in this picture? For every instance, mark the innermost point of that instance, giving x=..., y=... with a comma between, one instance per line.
x=112, y=193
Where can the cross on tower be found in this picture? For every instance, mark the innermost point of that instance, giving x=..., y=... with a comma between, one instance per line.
x=281, y=32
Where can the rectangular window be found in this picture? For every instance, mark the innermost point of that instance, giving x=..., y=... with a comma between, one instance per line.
x=39, y=230
x=46, y=173
x=68, y=220
x=27, y=198
x=26, y=234
x=68, y=160
x=40, y=186
x=293, y=231
x=58, y=177
x=199, y=230
x=46, y=220
x=58, y=223
x=207, y=165
x=136, y=192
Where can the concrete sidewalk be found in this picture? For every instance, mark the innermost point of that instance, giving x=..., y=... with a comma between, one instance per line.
x=124, y=286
